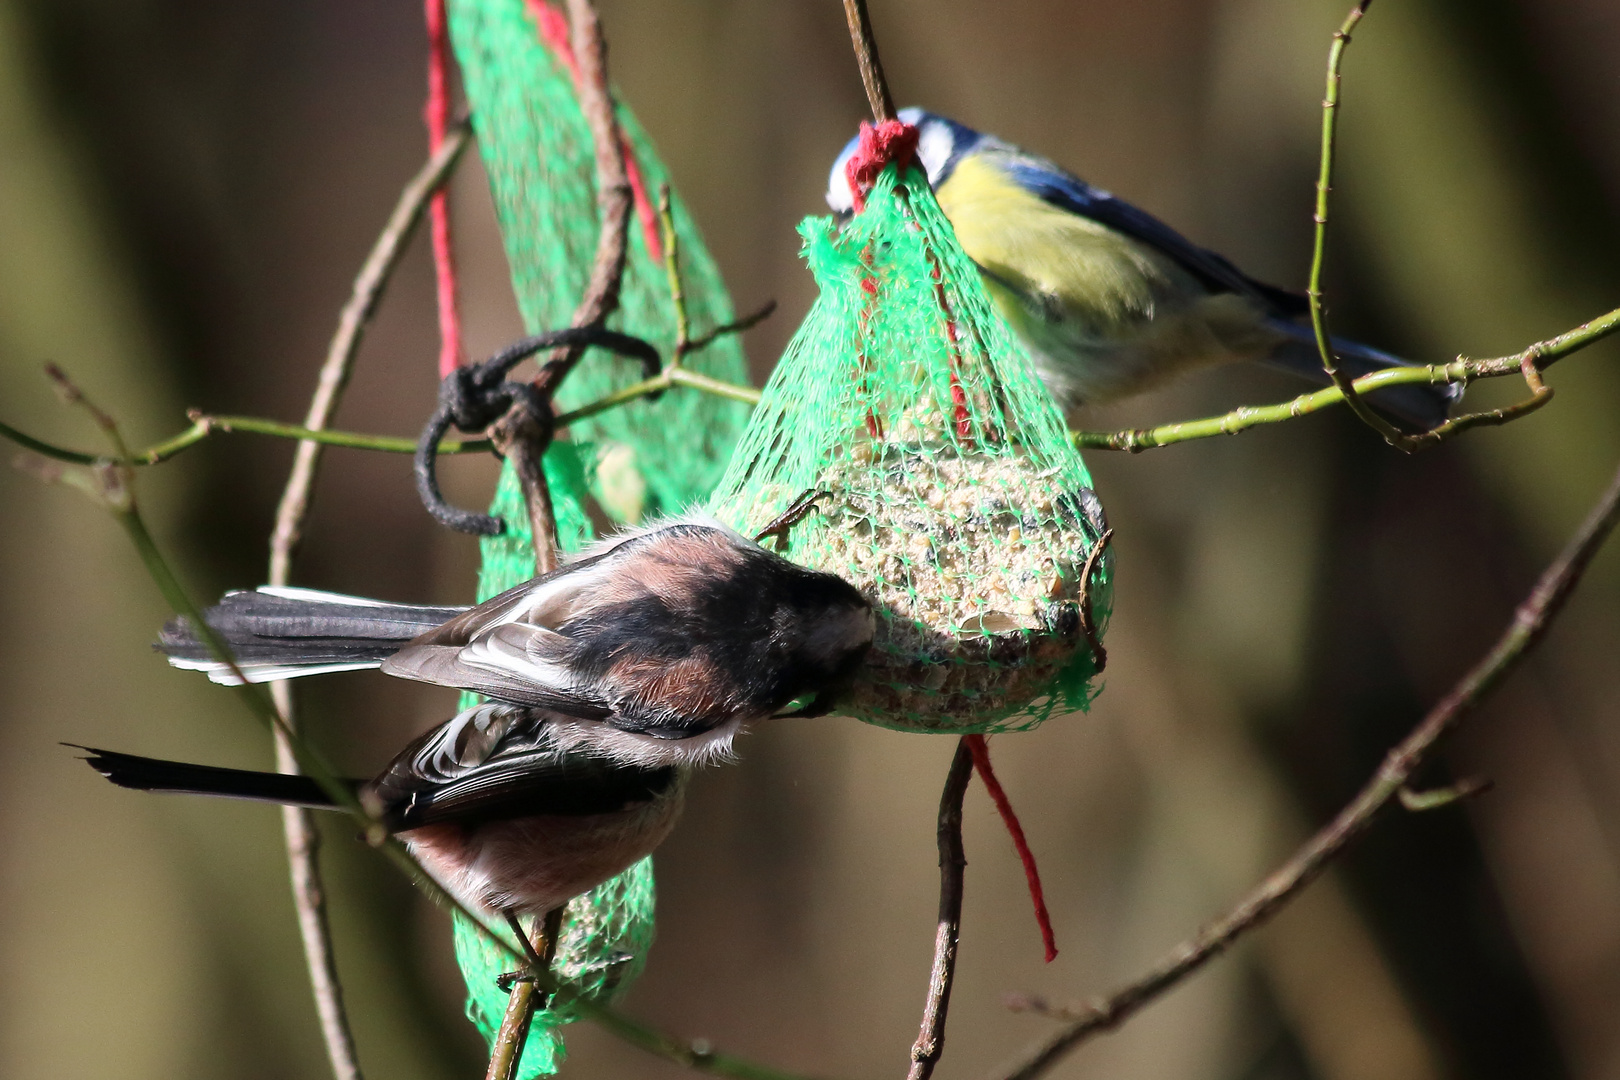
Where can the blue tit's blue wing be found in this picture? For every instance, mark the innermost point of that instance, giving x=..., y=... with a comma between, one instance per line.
x=1060, y=188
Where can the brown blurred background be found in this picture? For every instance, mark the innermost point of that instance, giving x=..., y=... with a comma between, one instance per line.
x=186, y=190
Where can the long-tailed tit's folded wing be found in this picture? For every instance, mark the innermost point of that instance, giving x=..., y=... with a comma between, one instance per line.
x=493, y=762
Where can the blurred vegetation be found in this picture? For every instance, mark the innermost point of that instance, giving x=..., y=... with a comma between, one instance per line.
x=185, y=192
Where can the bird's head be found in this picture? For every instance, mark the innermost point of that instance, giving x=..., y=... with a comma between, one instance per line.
x=941, y=143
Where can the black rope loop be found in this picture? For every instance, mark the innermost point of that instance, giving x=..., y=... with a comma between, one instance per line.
x=474, y=396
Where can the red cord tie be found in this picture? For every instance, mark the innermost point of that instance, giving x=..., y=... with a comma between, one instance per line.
x=437, y=116
x=981, y=763
x=892, y=140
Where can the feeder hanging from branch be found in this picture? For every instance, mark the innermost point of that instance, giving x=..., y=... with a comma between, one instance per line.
x=950, y=493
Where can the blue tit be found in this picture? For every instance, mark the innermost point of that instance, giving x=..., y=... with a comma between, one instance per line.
x=1109, y=300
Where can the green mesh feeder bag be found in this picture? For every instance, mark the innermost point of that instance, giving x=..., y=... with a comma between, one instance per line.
x=606, y=932
x=518, y=70
x=949, y=492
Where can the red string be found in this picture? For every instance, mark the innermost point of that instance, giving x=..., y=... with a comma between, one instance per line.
x=555, y=34
x=869, y=286
x=437, y=115
x=554, y=31
x=981, y=762
x=959, y=407
x=892, y=140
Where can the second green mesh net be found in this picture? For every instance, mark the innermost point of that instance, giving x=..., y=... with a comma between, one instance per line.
x=537, y=151
x=605, y=933
x=944, y=483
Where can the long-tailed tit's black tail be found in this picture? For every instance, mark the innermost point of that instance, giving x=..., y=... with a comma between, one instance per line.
x=282, y=633
x=155, y=774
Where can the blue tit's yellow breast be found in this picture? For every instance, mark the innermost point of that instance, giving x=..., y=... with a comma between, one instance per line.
x=1060, y=266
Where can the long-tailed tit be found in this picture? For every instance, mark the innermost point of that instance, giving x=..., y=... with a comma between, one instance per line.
x=611, y=677
x=654, y=647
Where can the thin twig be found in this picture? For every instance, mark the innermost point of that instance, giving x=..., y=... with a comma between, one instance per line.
x=614, y=198
x=524, y=996
x=70, y=394
x=866, y=56
x=521, y=436
x=1530, y=622
x=1537, y=358
x=1324, y=186
x=1088, y=614
x=736, y=326
x=1542, y=355
x=1421, y=802
x=203, y=426
x=388, y=444
x=303, y=837
x=1540, y=394
x=334, y=375
x=930, y=1044
x=672, y=271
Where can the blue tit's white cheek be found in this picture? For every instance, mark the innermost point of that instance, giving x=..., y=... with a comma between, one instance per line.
x=935, y=144
x=840, y=199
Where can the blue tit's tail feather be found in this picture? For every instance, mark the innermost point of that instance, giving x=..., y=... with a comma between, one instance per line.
x=155, y=774
x=282, y=633
x=1414, y=406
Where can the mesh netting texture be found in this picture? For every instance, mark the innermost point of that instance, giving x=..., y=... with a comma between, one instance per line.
x=537, y=149
x=648, y=455
x=950, y=493
x=606, y=933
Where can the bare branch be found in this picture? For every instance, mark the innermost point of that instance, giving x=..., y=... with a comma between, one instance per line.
x=1529, y=625
x=521, y=435
x=866, y=55
x=298, y=824
x=930, y=1044
x=334, y=375
x=525, y=997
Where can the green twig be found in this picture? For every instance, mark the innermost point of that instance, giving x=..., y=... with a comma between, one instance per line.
x=672, y=270
x=1529, y=362
x=203, y=426
x=1324, y=185
x=1419, y=802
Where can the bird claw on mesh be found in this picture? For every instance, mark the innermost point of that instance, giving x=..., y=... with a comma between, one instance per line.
x=508, y=979
x=796, y=512
x=475, y=396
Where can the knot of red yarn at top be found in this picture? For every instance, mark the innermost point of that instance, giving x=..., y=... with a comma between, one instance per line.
x=891, y=140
